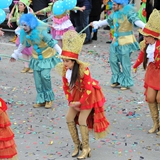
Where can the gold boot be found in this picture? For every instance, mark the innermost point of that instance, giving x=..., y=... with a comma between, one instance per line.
x=155, y=116
x=24, y=70
x=13, y=39
x=115, y=84
x=159, y=106
x=86, y=150
x=74, y=134
x=30, y=70
x=48, y=104
x=36, y=105
x=158, y=133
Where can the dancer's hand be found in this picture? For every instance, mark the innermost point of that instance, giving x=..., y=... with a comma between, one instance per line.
x=38, y=12
x=134, y=70
x=82, y=8
x=1, y=32
x=9, y=24
x=94, y=24
x=75, y=105
x=12, y=59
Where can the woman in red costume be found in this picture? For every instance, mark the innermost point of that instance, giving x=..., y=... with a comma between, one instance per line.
x=150, y=56
x=7, y=143
x=84, y=95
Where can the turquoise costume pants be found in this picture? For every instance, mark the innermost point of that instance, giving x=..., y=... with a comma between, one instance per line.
x=121, y=69
x=43, y=86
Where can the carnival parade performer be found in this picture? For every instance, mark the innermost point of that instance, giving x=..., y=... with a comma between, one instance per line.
x=142, y=15
x=44, y=56
x=142, y=11
x=7, y=143
x=124, y=42
x=150, y=56
x=108, y=10
x=20, y=8
x=60, y=23
x=84, y=95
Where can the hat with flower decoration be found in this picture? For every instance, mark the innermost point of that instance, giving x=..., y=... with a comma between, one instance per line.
x=121, y=2
x=152, y=27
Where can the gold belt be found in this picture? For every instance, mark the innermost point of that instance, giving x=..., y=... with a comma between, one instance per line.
x=47, y=53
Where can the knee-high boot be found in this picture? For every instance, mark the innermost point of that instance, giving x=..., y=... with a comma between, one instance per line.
x=86, y=150
x=159, y=106
x=158, y=133
x=155, y=116
x=74, y=134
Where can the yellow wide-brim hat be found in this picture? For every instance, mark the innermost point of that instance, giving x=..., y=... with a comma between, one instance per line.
x=152, y=27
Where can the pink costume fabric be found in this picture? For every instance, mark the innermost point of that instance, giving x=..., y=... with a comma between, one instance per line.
x=27, y=50
x=60, y=26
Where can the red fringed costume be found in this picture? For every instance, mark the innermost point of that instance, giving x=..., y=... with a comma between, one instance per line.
x=7, y=143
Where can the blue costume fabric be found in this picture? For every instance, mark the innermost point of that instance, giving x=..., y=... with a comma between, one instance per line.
x=123, y=44
x=122, y=2
x=44, y=56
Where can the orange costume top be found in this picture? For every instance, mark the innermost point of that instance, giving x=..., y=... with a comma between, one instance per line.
x=88, y=92
x=152, y=74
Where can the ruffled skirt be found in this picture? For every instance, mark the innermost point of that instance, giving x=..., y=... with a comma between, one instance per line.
x=97, y=119
x=7, y=143
x=152, y=78
x=46, y=63
x=60, y=26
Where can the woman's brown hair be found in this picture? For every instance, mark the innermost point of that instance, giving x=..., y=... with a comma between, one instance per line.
x=75, y=74
x=145, y=60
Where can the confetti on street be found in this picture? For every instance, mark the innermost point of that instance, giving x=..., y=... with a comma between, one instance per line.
x=42, y=134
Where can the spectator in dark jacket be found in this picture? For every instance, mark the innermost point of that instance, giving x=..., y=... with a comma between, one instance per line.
x=81, y=19
x=14, y=25
x=38, y=5
x=95, y=15
x=150, y=5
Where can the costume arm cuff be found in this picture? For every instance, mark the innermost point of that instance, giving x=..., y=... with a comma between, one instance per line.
x=100, y=23
x=17, y=53
x=58, y=49
x=139, y=24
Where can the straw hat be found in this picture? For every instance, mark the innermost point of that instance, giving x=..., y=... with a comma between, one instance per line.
x=72, y=43
x=152, y=27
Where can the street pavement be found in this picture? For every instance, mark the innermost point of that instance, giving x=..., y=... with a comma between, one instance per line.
x=42, y=134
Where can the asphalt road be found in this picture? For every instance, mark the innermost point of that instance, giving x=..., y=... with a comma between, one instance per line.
x=42, y=134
